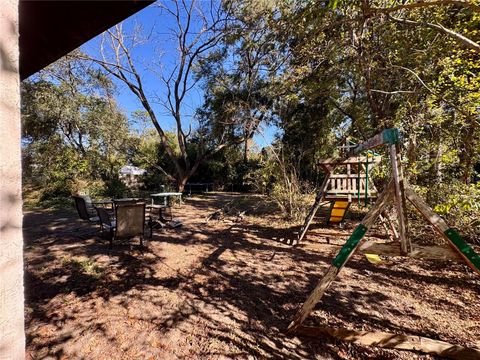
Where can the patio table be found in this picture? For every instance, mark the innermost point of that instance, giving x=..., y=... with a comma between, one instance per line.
x=165, y=196
x=163, y=207
x=107, y=204
x=102, y=202
x=127, y=200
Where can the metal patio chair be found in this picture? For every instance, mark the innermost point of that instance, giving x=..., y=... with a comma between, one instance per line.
x=107, y=224
x=130, y=221
x=85, y=208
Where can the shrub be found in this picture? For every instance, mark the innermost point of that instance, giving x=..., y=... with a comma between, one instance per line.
x=459, y=204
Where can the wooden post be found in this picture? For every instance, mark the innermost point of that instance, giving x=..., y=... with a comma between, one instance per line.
x=342, y=257
x=315, y=206
x=450, y=235
x=351, y=182
x=405, y=243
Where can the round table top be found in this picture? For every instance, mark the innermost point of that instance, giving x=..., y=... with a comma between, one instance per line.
x=167, y=194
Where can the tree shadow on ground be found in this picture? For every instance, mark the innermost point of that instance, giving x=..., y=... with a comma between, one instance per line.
x=232, y=290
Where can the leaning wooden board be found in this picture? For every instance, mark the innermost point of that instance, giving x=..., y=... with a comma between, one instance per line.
x=394, y=341
x=449, y=234
x=342, y=257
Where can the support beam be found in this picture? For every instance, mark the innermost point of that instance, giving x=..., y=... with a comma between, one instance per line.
x=352, y=160
x=342, y=257
x=384, y=223
x=430, y=252
x=405, y=243
x=393, y=341
x=387, y=136
x=390, y=224
x=450, y=235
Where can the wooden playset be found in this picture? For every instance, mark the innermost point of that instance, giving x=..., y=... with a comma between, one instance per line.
x=347, y=180
x=396, y=193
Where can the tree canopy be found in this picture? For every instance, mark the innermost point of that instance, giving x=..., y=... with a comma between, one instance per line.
x=321, y=72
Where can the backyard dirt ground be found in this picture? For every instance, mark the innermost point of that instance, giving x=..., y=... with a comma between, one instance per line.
x=226, y=289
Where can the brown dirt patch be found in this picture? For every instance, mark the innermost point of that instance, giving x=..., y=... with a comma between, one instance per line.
x=225, y=289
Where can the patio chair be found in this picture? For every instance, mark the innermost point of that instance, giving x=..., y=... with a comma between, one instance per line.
x=107, y=224
x=129, y=222
x=85, y=209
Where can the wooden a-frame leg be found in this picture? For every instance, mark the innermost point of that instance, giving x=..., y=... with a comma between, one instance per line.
x=400, y=203
x=450, y=235
x=314, y=208
x=342, y=257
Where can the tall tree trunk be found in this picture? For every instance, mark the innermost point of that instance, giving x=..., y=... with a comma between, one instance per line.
x=412, y=156
x=246, y=148
x=466, y=156
x=438, y=163
x=181, y=181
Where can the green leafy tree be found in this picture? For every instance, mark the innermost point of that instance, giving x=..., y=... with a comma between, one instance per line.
x=73, y=131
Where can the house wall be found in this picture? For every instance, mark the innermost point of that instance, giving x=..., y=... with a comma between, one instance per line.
x=12, y=338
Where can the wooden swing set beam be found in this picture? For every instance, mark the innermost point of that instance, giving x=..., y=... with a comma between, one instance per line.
x=345, y=253
x=387, y=136
x=393, y=341
x=450, y=235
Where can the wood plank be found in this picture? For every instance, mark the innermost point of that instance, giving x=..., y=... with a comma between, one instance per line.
x=349, y=180
x=385, y=225
x=333, y=270
x=342, y=197
x=434, y=252
x=393, y=341
x=345, y=176
x=346, y=192
x=379, y=205
x=320, y=232
x=402, y=189
x=390, y=224
x=313, y=299
x=437, y=222
x=384, y=137
x=371, y=143
x=399, y=200
x=352, y=160
x=372, y=188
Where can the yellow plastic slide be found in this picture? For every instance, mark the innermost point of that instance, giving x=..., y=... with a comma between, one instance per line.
x=338, y=212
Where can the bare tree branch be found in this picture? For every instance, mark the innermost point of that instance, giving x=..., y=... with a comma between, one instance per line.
x=459, y=37
x=424, y=4
x=192, y=45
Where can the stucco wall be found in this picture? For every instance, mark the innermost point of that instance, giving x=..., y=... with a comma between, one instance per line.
x=12, y=338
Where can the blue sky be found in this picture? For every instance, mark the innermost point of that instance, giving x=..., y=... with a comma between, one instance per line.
x=157, y=54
